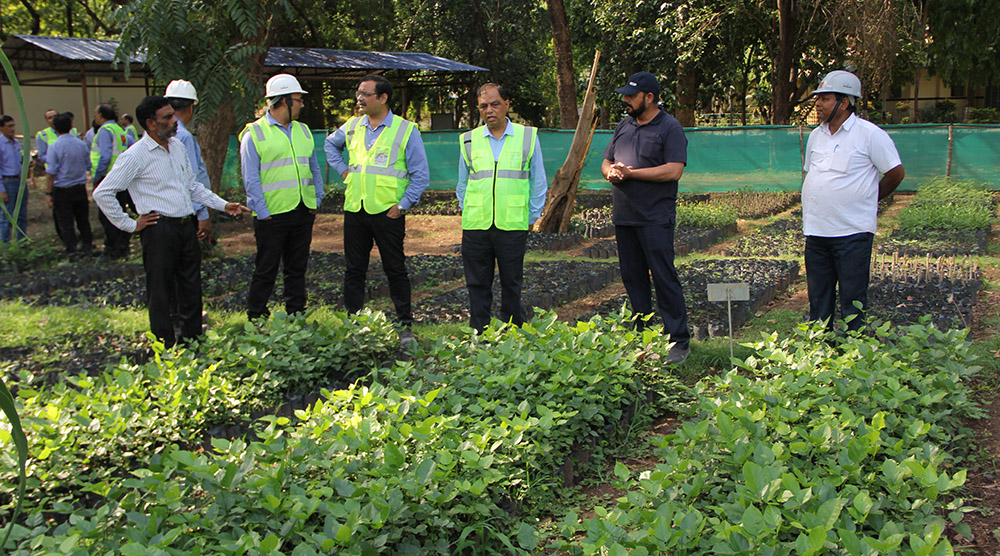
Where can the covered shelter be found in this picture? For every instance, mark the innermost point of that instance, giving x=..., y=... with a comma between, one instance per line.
x=51, y=67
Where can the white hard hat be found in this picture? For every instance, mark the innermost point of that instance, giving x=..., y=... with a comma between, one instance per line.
x=282, y=84
x=841, y=82
x=180, y=88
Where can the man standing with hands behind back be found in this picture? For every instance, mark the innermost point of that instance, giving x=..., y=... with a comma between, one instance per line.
x=643, y=162
x=501, y=189
x=386, y=172
x=284, y=189
x=158, y=175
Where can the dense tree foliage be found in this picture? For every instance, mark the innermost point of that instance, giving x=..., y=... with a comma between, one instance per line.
x=744, y=60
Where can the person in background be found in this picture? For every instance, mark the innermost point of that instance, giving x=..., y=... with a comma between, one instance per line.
x=10, y=175
x=66, y=185
x=125, y=122
x=845, y=156
x=644, y=161
x=158, y=174
x=109, y=143
x=284, y=188
x=385, y=172
x=88, y=137
x=501, y=190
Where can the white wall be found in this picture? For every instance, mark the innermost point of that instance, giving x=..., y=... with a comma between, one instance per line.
x=39, y=97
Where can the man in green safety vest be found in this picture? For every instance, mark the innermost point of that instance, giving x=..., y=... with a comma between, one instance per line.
x=284, y=188
x=43, y=139
x=501, y=189
x=385, y=172
x=109, y=142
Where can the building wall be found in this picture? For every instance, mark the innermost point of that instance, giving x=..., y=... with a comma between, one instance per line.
x=932, y=89
x=63, y=95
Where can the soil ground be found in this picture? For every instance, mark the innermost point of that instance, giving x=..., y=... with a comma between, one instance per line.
x=438, y=234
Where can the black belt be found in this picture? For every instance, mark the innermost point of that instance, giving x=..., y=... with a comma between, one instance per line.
x=177, y=220
x=69, y=186
x=14, y=176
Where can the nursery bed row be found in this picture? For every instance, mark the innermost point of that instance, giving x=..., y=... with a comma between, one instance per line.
x=686, y=240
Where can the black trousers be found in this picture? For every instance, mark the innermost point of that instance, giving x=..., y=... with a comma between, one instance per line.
x=361, y=230
x=645, y=250
x=842, y=263
x=172, y=259
x=283, y=239
x=480, y=249
x=69, y=206
x=116, y=242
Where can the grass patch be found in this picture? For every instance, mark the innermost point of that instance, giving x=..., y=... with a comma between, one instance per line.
x=23, y=325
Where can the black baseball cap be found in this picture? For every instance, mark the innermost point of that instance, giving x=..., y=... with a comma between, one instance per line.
x=642, y=81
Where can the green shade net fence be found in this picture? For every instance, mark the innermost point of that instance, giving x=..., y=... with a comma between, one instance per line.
x=764, y=158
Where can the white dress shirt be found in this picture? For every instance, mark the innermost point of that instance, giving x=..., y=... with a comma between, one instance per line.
x=157, y=179
x=840, y=191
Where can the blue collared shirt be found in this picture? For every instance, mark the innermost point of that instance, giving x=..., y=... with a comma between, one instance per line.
x=10, y=157
x=416, y=158
x=197, y=163
x=536, y=173
x=250, y=161
x=68, y=161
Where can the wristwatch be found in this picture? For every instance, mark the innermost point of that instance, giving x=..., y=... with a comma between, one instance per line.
x=401, y=209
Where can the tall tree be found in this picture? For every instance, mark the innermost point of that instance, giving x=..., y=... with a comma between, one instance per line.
x=565, y=76
x=965, y=42
x=219, y=46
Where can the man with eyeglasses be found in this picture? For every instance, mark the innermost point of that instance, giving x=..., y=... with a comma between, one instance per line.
x=284, y=188
x=386, y=172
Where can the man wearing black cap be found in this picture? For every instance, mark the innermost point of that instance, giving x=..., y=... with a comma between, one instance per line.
x=643, y=161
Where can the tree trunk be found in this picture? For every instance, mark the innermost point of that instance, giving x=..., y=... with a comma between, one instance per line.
x=565, y=76
x=560, y=202
x=916, y=96
x=687, y=84
x=213, y=138
x=781, y=84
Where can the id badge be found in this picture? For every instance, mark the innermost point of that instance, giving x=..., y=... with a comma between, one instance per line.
x=381, y=157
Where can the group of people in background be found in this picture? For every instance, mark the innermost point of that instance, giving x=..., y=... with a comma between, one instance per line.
x=380, y=156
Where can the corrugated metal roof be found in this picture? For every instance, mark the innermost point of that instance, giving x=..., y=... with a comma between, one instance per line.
x=328, y=58
x=77, y=49
x=103, y=50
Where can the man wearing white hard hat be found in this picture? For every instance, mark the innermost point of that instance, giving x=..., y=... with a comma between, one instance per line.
x=183, y=96
x=844, y=159
x=284, y=187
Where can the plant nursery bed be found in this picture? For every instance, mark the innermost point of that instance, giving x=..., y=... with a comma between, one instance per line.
x=67, y=275
x=935, y=243
x=545, y=285
x=707, y=319
x=686, y=240
x=780, y=238
x=756, y=204
x=903, y=290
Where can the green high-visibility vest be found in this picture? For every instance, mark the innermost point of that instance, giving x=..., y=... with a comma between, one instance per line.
x=118, y=145
x=134, y=130
x=498, y=190
x=285, y=175
x=376, y=177
x=49, y=135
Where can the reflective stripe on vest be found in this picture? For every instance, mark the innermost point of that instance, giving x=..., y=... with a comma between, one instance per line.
x=47, y=136
x=118, y=145
x=376, y=178
x=501, y=200
x=285, y=176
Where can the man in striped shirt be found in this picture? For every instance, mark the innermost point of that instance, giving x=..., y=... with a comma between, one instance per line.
x=157, y=174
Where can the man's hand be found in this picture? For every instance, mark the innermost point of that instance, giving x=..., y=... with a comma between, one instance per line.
x=343, y=174
x=205, y=229
x=146, y=220
x=3, y=196
x=235, y=209
x=393, y=212
x=48, y=199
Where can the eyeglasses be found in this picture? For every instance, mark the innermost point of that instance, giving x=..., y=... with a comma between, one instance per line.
x=299, y=100
x=364, y=94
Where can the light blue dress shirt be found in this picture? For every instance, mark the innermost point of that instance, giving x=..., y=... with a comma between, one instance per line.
x=337, y=156
x=68, y=160
x=10, y=156
x=197, y=164
x=250, y=161
x=536, y=172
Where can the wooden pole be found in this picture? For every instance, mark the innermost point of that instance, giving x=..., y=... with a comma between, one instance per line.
x=560, y=201
x=83, y=87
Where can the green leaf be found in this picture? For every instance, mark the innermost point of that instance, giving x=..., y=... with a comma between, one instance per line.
x=393, y=456
x=527, y=537
x=753, y=522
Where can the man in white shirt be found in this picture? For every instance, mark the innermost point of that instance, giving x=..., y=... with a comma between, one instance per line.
x=157, y=173
x=844, y=157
